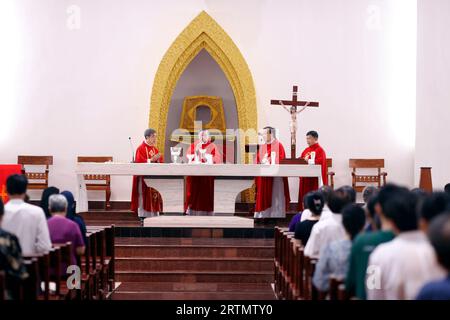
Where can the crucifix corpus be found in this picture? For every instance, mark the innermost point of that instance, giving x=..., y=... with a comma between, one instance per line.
x=294, y=107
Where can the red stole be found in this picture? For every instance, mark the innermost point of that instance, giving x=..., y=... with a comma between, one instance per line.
x=151, y=199
x=311, y=184
x=200, y=190
x=264, y=185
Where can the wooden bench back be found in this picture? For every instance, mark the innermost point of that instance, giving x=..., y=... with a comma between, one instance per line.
x=379, y=178
x=36, y=175
x=366, y=163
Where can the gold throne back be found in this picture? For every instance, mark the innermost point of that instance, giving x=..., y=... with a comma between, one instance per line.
x=215, y=105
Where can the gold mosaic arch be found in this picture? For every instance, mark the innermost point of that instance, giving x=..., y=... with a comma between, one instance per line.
x=203, y=33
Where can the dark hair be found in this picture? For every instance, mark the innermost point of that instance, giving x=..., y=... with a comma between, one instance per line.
x=149, y=132
x=420, y=193
x=337, y=201
x=313, y=134
x=447, y=188
x=386, y=193
x=439, y=235
x=371, y=203
x=348, y=192
x=433, y=205
x=305, y=199
x=2, y=208
x=316, y=202
x=16, y=184
x=271, y=130
x=71, y=205
x=44, y=199
x=369, y=192
x=353, y=219
x=326, y=191
x=399, y=205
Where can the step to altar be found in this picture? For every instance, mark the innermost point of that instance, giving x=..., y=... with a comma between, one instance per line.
x=193, y=291
x=194, y=268
x=199, y=222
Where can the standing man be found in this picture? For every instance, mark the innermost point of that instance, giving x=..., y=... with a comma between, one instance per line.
x=314, y=154
x=145, y=201
x=272, y=194
x=27, y=222
x=200, y=190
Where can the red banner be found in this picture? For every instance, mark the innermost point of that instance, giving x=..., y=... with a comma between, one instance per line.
x=5, y=171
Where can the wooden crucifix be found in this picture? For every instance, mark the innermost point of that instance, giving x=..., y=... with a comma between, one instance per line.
x=295, y=107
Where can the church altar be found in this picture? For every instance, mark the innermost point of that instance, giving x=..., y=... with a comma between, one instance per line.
x=168, y=179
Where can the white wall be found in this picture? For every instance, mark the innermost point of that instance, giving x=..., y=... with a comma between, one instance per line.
x=433, y=90
x=84, y=91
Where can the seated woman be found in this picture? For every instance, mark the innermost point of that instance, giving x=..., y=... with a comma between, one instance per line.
x=63, y=230
x=298, y=217
x=333, y=261
x=44, y=199
x=315, y=203
x=72, y=214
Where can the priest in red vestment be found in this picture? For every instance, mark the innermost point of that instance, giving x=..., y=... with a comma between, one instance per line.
x=200, y=190
x=145, y=201
x=314, y=154
x=272, y=194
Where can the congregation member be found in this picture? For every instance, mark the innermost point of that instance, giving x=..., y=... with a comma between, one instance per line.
x=447, y=188
x=431, y=206
x=298, y=216
x=44, y=199
x=200, y=190
x=315, y=202
x=313, y=154
x=25, y=220
x=439, y=235
x=272, y=193
x=64, y=230
x=333, y=261
x=372, y=219
x=11, y=262
x=73, y=215
x=365, y=243
x=146, y=201
x=328, y=230
x=326, y=212
x=368, y=193
x=398, y=269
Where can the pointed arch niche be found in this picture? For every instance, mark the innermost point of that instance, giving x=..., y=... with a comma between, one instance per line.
x=203, y=33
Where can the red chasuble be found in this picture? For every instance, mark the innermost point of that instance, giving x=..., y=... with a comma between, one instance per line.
x=264, y=184
x=200, y=190
x=311, y=184
x=151, y=199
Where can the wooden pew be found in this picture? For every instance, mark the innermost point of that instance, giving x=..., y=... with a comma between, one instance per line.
x=96, y=265
x=2, y=286
x=30, y=287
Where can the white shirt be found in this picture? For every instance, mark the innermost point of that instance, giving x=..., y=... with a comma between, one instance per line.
x=29, y=224
x=323, y=233
x=398, y=269
x=307, y=214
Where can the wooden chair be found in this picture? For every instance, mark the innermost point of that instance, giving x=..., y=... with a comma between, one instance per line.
x=331, y=174
x=99, y=182
x=37, y=180
x=379, y=179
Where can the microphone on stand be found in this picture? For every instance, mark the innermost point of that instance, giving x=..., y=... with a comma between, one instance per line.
x=132, y=150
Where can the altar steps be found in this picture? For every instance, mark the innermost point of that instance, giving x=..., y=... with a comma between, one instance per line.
x=194, y=268
x=193, y=291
